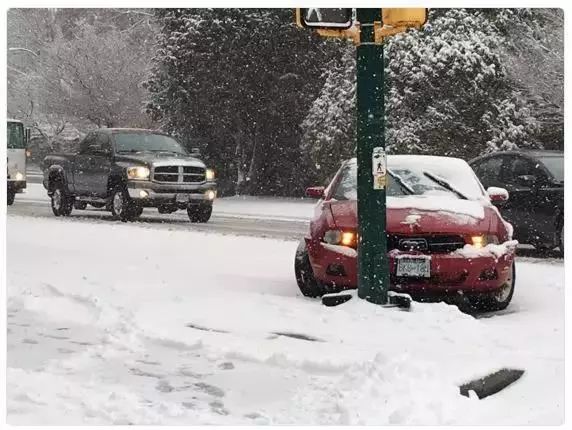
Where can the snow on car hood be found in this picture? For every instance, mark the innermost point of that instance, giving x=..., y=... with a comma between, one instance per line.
x=421, y=214
x=472, y=208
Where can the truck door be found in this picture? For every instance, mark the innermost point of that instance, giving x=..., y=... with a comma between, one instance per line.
x=100, y=165
x=81, y=163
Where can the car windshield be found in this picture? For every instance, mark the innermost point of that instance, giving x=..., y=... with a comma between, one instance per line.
x=15, y=136
x=555, y=165
x=146, y=142
x=408, y=176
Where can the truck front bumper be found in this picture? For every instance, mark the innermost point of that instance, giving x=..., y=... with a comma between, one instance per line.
x=16, y=186
x=151, y=194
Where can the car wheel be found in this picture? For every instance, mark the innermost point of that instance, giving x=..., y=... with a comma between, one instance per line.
x=499, y=299
x=308, y=284
x=11, y=195
x=200, y=213
x=122, y=208
x=79, y=205
x=61, y=201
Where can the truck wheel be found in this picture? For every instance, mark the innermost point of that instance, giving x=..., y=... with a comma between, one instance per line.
x=498, y=300
x=200, y=213
x=122, y=207
x=62, y=202
x=308, y=284
x=11, y=195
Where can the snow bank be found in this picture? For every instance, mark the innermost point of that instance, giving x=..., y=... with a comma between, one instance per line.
x=114, y=324
x=495, y=250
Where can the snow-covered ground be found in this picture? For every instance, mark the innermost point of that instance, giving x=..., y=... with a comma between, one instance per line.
x=273, y=208
x=115, y=324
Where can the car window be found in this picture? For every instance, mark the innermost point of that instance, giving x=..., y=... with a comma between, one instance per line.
x=103, y=141
x=86, y=143
x=520, y=166
x=488, y=171
x=555, y=166
x=410, y=172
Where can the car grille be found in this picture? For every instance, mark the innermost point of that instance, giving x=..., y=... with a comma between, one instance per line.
x=179, y=174
x=431, y=244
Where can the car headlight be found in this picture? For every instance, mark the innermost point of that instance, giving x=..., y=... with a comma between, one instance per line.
x=19, y=176
x=210, y=175
x=338, y=237
x=482, y=240
x=138, y=172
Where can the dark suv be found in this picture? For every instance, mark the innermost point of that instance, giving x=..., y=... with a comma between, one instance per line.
x=535, y=182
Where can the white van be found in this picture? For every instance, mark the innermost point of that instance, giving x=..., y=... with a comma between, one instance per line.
x=16, y=163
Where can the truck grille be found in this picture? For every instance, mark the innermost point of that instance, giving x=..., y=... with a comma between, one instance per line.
x=431, y=244
x=179, y=174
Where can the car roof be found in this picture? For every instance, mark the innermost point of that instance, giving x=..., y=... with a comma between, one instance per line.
x=128, y=130
x=531, y=153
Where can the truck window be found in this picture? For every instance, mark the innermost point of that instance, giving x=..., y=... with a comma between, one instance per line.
x=15, y=138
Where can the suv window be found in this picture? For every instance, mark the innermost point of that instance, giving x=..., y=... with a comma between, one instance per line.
x=519, y=166
x=489, y=170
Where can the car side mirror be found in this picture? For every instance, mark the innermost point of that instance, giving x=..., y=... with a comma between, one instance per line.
x=497, y=194
x=526, y=180
x=98, y=149
x=315, y=192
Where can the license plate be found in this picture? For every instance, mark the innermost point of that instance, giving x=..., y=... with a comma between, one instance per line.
x=413, y=267
x=182, y=198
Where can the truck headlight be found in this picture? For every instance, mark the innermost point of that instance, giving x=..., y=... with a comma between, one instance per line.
x=138, y=172
x=209, y=175
x=19, y=176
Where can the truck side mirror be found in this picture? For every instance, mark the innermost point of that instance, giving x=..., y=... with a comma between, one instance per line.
x=27, y=133
x=195, y=152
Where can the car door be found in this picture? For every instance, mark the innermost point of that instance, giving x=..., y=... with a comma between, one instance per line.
x=522, y=179
x=80, y=167
x=99, y=167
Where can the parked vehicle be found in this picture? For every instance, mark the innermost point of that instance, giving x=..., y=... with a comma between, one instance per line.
x=535, y=182
x=16, y=141
x=445, y=240
x=126, y=170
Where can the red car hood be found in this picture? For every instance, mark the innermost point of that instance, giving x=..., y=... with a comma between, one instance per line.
x=410, y=215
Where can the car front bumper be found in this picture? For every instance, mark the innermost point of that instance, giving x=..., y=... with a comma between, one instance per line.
x=151, y=194
x=450, y=274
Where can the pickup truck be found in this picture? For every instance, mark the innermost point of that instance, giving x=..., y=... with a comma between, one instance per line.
x=126, y=170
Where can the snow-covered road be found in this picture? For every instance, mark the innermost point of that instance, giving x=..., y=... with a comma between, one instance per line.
x=116, y=324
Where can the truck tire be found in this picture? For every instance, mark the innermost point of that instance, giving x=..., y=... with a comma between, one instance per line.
x=61, y=201
x=199, y=213
x=11, y=195
x=307, y=283
x=121, y=205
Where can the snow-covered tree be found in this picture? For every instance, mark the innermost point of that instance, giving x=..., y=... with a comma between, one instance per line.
x=240, y=81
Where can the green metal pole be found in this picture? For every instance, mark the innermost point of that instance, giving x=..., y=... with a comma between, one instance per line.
x=373, y=264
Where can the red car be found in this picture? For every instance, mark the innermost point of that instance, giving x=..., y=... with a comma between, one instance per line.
x=445, y=239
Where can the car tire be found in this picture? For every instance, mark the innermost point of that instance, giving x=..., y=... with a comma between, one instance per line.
x=61, y=202
x=498, y=300
x=200, y=213
x=122, y=207
x=309, y=286
x=79, y=205
x=11, y=195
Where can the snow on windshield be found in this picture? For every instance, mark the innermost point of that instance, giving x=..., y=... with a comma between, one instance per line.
x=415, y=171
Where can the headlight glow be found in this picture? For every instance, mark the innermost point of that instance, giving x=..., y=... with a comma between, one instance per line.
x=337, y=237
x=483, y=240
x=210, y=174
x=138, y=172
x=19, y=176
